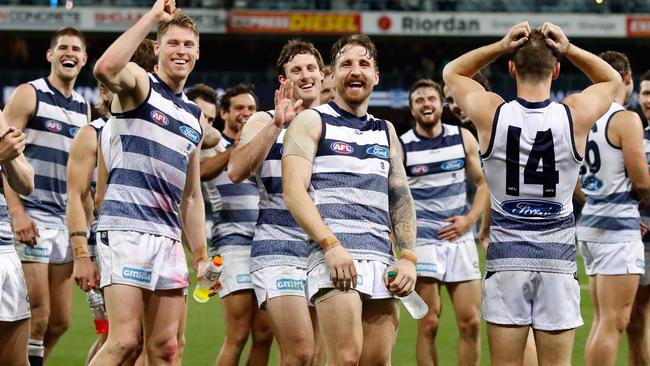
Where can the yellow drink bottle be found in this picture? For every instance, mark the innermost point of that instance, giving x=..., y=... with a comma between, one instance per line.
x=210, y=276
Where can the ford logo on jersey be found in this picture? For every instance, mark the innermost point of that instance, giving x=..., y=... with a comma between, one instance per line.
x=419, y=169
x=73, y=131
x=190, y=133
x=453, y=164
x=379, y=151
x=53, y=126
x=159, y=117
x=591, y=183
x=532, y=208
x=341, y=147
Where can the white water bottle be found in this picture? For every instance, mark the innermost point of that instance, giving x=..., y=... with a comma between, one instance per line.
x=96, y=303
x=412, y=302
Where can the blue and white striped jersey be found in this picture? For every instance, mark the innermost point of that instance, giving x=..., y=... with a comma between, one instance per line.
x=349, y=184
x=531, y=166
x=645, y=212
x=436, y=175
x=149, y=150
x=49, y=137
x=278, y=240
x=6, y=233
x=234, y=206
x=611, y=213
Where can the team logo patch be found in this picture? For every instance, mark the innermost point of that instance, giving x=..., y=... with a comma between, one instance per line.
x=37, y=252
x=290, y=284
x=159, y=117
x=453, y=164
x=591, y=183
x=53, y=126
x=244, y=278
x=341, y=147
x=426, y=267
x=419, y=169
x=136, y=274
x=379, y=151
x=640, y=263
x=532, y=208
x=73, y=131
x=190, y=133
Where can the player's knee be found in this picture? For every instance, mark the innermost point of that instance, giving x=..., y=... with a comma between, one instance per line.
x=262, y=336
x=124, y=345
x=180, y=341
x=348, y=356
x=162, y=348
x=55, y=329
x=237, y=337
x=298, y=356
x=39, y=322
x=429, y=324
x=470, y=327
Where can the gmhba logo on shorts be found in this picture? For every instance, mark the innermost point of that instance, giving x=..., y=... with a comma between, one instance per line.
x=136, y=274
x=290, y=284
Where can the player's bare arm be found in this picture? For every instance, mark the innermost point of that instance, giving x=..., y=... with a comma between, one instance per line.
x=626, y=130
x=300, y=144
x=470, y=96
x=113, y=69
x=460, y=224
x=81, y=165
x=260, y=133
x=402, y=216
x=18, y=172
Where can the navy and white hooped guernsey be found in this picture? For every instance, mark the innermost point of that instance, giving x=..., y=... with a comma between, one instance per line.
x=610, y=214
x=6, y=233
x=435, y=168
x=98, y=125
x=150, y=148
x=349, y=184
x=49, y=136
x=531, y=166
x=645, y=213
x=278, y=240
x=234, y=208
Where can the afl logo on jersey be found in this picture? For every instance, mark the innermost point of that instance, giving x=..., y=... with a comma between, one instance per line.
x=379, y=151
x=159, y=117
x=73, y=131
x=341, y=147
x=532, y=208
x=419, y=169
x=453, y=164
x=53, y=126
x=190, y=133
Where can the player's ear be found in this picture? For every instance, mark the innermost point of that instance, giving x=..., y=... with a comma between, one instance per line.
x=282, y=78
x=512, y=70
x=156, y=47
x=48, y=55
x=556, y=70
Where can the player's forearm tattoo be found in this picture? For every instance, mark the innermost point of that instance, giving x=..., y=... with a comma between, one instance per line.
x=401, y=207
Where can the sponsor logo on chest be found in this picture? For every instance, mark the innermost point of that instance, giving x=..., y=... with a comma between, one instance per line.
x=341, y=148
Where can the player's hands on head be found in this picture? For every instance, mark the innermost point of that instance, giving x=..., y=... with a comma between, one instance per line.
x=517, y=35
x=341, y=266
x=85, y=274
x=165, y=10
x=555, y=38
x=285, y=109
x=404, y=282
x=12, y=144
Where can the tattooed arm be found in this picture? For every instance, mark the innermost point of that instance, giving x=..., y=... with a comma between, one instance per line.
x=402, y=217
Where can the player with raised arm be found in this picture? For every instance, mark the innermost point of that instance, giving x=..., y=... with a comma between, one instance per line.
x=532, y=150
x=153, y=188
x=50, y=113
x=280, y=248
x=437, y=158
x=615, y=182
x=14, y=302
x=344, y=183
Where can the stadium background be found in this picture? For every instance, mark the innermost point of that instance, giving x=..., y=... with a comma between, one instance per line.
x=240, y=40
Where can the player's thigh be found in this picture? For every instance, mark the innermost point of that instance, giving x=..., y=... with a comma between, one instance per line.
x=554, y=347
x=13, y=338
x=61, y=286
x=36, y=277
x=125, y=309
x=507, y=343
x=380, y=322
x=429, y=290
x=466, y=297
x=239, y=309
x=339, y=315
x=291, y=320
x=163, y=310
x=616, y=293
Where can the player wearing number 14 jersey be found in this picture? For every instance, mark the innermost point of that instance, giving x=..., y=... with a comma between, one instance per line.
x=532, y=150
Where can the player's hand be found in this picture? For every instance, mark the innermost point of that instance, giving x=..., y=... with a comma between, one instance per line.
x=200, y=268
x=214, y=289
x=12, y=144
x=85, y=274
x=285, y=109
x=25, y=229
x=517, y=35
x=164, y=11
x=555, y=38
x=644, y=229
x=404, y=283
x=342, y=269
x=458, y=227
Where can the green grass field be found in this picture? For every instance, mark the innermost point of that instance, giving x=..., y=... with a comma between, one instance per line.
x=205, y=329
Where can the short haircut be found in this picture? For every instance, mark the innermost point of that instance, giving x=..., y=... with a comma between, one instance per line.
x=535, y=60
x=241, y=88
x=67, y=31
x=145, y=56
x=426, y=83
x=297, y=47
x=481, y=79
x=327, y=71
x=617, y=60
x=645, y=76
x=202, y=91
x=180, y=20
x=357, y=40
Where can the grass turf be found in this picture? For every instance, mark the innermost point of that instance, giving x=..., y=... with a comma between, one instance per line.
x=205, y=331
